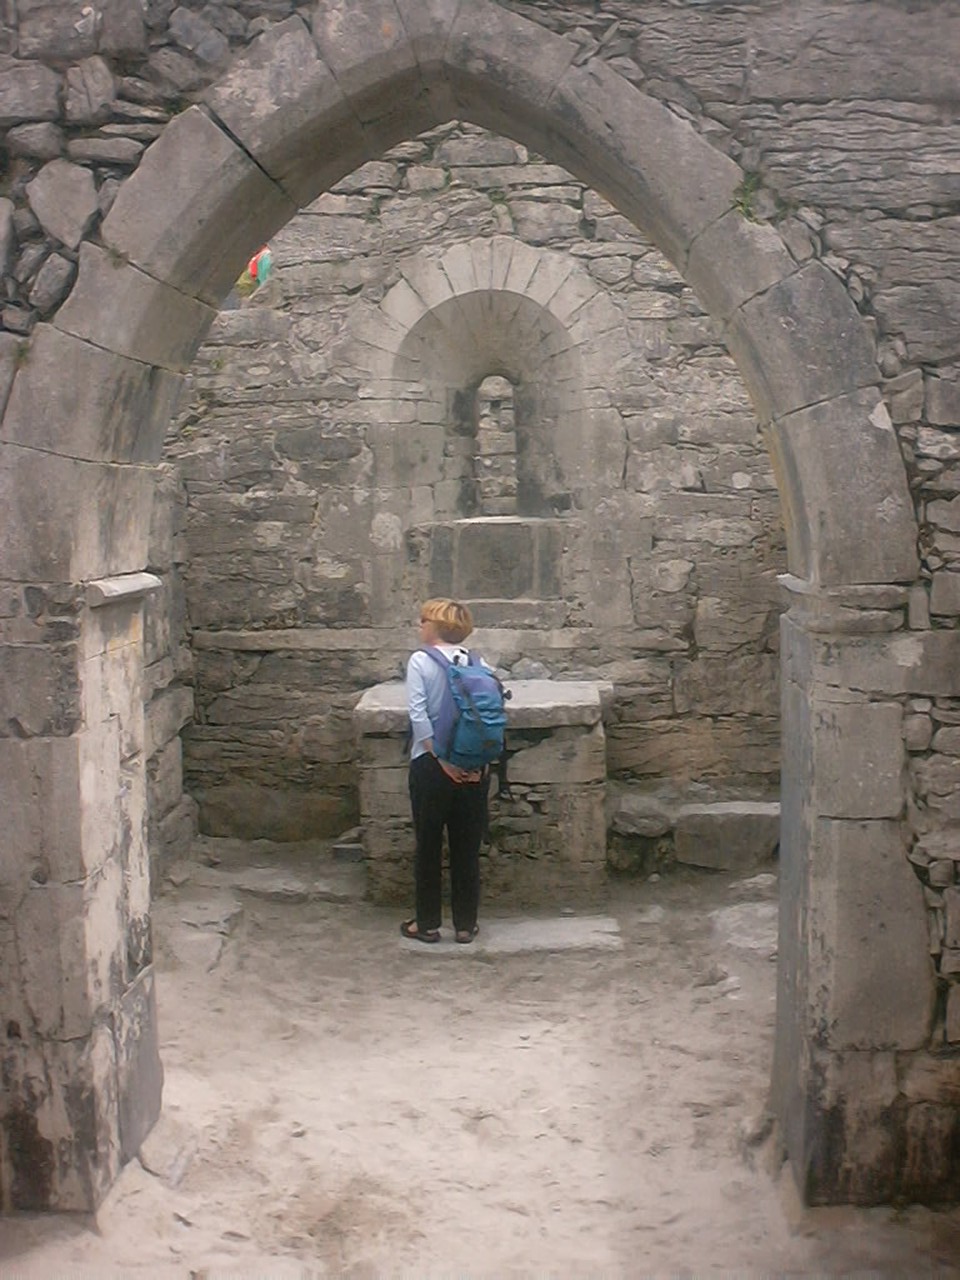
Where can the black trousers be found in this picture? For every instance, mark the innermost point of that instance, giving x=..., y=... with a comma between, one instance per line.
x=461, y=808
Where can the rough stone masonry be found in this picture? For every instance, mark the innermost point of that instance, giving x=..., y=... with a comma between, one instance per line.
x=803, y=181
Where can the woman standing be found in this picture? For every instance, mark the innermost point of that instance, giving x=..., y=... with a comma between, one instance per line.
x=443, y=796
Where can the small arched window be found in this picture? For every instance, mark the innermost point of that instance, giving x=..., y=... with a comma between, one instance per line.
x=496, y=456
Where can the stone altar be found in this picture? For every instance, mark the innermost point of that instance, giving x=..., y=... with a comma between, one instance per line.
x=547, y=832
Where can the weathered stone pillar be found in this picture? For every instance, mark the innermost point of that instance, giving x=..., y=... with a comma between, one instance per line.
x=79, y=1058
x=858, y=1021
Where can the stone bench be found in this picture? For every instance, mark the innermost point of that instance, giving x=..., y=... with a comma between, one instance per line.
x=701, y=826
x=548, y=833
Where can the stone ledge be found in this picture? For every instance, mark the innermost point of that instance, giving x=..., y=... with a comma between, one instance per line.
x=534, y=704
x=123, y=589
x=305, y=639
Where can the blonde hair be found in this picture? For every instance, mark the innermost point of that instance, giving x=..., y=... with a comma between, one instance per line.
x=453, y=620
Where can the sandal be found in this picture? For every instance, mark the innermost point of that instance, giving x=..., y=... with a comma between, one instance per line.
x=410, y=929
x=466, y=935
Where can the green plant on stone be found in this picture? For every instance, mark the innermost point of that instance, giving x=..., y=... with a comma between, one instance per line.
x=744, y=198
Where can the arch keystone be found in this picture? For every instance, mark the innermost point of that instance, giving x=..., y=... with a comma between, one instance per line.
x=501, y=256
x=489, y=46
x=366, y=46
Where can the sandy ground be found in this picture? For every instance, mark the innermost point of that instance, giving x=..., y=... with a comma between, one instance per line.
x=341, y=1102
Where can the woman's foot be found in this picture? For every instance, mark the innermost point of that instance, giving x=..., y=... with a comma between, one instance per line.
x=466, y=935
x=410, y=929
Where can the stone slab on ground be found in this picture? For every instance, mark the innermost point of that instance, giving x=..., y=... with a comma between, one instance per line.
x=305, y=871
x=217, y=911
x=747, y=926
x=511, y=937
x=168, y=1149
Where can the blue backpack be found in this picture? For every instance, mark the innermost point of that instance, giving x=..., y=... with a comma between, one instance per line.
x=470, y=726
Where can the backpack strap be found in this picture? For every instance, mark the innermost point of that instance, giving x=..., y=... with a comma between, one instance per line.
x=438, y=656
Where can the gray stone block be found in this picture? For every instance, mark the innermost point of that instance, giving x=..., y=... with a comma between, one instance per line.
x=734, y=260
x=71, y=520
x=43, y=141
x=120, y=151
x=788, y=359
x=40, y=690
x=64, y=199
x=943, y=398
x=200, y=37
x=859, y=759
x=70, y=984
x=123, y=29
x=568, y=756
x=166, y=715
x=641, y=815
x=28, y=91
x=283, y=104
x=165, y=778
x=101, y=407
x=866, y=538
x=494, y=559
x=918, y=662
x=196, y=204
x=728, y=835
x=43, y=836
x=91, y=92
x=139, y=1069
x=875, y=980
x=945, y=594
x=52, y=283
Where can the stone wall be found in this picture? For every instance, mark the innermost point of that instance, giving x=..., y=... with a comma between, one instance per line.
x=797, y=161
x=317, y=507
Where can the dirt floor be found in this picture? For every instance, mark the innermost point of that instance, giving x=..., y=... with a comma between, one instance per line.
x=341, y=1102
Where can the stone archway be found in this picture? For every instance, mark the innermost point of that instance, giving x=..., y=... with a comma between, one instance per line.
x=85, y=420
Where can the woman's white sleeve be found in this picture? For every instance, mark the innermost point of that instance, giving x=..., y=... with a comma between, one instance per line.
x=417, y=703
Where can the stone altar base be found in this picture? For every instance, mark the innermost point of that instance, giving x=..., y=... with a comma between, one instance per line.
x=548, y=835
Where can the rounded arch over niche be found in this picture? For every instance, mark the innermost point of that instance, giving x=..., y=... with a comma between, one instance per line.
x=90, y=401
x=501, y=306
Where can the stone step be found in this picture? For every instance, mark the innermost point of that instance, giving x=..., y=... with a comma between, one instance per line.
x=722, y=833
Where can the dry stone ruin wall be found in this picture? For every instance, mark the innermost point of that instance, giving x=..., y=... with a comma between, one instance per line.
x=843, y=221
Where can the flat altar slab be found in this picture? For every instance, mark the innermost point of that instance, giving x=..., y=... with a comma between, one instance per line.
x=511, y=937
x=534, y=704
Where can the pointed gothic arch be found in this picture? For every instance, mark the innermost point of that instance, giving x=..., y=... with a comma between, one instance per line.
x=85, y=421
